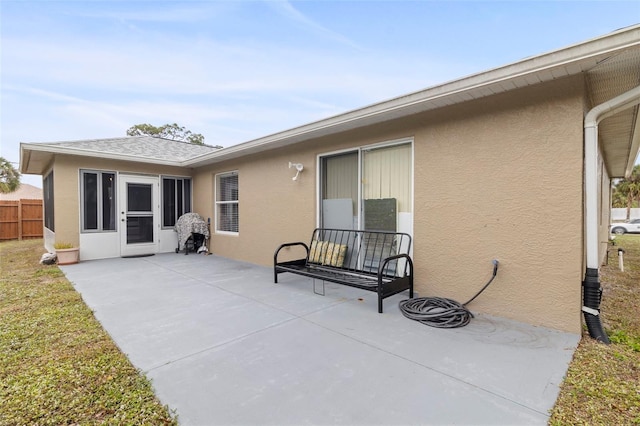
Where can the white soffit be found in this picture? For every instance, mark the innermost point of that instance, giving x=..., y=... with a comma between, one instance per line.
x=618, y=135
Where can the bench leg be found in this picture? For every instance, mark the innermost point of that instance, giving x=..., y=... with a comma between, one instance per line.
x=379, y=303
x=314, y=288
x=275, y=276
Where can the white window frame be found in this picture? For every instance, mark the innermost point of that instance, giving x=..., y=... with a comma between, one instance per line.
x=222, y=202
x=99, y=206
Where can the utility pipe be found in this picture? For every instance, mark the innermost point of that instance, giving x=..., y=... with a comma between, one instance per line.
x=592, y=292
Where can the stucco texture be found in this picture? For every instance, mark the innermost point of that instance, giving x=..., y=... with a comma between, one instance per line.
x=499, y=178
x=506, y=185
x=272, y=207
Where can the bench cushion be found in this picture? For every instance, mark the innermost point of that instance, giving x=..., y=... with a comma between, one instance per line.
x=327, y=253
x=335, y=254
x=317, y=251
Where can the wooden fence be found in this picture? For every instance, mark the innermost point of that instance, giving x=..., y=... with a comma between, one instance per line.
x=21, y=219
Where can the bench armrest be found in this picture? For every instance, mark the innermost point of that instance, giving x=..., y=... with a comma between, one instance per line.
x=298, y=243
x=383, y=264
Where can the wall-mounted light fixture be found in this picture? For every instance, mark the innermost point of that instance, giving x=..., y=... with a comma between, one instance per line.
x=299, y=167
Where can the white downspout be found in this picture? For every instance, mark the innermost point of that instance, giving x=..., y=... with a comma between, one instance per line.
x=592, y=119
x=592, y=292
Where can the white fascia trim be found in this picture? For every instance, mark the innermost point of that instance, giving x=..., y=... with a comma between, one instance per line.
x=616, y=41
x=54, y=149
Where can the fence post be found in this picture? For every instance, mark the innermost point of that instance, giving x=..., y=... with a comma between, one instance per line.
x=19, y=220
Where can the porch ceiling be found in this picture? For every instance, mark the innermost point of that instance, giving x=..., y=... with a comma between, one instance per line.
x=619, y=135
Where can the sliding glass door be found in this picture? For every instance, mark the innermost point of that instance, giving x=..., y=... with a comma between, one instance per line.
x=340, y=192
x=369, y=188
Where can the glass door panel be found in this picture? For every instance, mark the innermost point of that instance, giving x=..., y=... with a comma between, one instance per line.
x=340, y=191
x=369, y=189
x=139, y=197
x=139, y=213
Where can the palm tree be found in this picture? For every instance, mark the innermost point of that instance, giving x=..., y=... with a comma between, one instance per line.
x=627, y=191
x=9, y=177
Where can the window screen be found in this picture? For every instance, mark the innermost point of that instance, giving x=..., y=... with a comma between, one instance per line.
x=90, y=200
x=98, y=193
x=176, y=199
x=47, y=193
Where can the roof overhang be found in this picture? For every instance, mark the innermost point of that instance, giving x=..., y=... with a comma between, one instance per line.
x=35, y=158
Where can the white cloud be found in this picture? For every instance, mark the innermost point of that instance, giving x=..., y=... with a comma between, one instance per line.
x=286, y=9
x=181, y=67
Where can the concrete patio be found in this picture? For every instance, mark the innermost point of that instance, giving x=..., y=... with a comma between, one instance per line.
x=224, y=345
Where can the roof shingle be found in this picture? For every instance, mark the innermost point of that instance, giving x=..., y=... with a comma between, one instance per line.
x=140, y=146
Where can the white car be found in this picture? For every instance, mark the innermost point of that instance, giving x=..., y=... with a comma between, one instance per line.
x=631, y=227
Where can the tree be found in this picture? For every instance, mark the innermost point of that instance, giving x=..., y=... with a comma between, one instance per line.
x=9, y=177
x=168, y=131
x=626, y=192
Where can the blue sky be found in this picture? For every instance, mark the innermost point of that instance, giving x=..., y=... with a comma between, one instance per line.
x=237, y=70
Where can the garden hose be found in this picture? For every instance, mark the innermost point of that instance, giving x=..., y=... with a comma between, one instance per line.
x=441, y=312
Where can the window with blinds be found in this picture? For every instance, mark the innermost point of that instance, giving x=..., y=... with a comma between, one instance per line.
x=386, y=174
x=227, y=219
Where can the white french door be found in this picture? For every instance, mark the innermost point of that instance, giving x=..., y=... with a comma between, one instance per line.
x=139, y=215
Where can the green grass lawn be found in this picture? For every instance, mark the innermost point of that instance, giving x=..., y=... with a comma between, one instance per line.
x=603, y=382
x=57, y=365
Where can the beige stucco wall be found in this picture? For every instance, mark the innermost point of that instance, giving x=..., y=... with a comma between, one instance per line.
x=272, y=207
x=67, y=175
x=509, y=187
x=497, y=178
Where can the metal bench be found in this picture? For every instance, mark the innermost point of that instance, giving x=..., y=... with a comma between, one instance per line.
x=376, y=261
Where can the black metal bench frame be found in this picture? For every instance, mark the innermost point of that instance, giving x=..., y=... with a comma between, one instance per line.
x=376, y=261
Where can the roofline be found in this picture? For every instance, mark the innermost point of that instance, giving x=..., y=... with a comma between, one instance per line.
x=56, y=149
x=618, y=40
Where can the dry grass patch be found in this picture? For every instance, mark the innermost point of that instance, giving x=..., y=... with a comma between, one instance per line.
x=603, y=382
x=57, y=364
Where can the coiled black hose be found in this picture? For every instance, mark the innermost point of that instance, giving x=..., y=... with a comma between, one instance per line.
x=441, y=312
